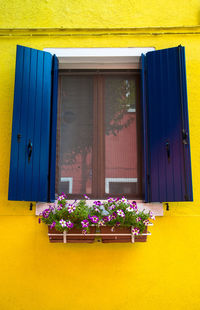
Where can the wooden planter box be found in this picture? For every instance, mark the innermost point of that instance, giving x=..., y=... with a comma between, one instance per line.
x=73, y=236
x=125, y=232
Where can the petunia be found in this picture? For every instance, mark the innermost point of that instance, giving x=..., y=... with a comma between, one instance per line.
x=121, y=213
x=146, y=222
x=53, y=225
x=94, y=219
x=130, y=209
x=138, y=219
x=151, y=215
x=135, y=231
x=85, y=223
x=101, y=223
x=69, y=224
x=84, y=231
x=71, y=208
x=86, y=197
x=62, y=223
x=112, y=207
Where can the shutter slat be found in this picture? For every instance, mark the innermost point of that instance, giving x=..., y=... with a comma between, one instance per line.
x=16, y=123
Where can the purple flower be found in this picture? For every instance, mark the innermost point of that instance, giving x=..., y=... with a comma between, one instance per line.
x=101, y=223
x=97, y=203
x=86, y=197
x=151, y=215
x=135, y=231
x=114, y=215
x=46, y=213
x=85, y=223
x=134, y=205
x=96, y=209
x=120, y=213
x=53, y=225
x=61, y=197
x=84, y=231
x=112, y=207
x=138, y=219
x=118, y=224
x=71, y=208
x=146, y=222
x=69, y=224
x=94, y=219
x=106, y=219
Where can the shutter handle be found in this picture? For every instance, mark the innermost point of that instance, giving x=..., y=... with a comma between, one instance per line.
x=167, y=145
x=30, y=149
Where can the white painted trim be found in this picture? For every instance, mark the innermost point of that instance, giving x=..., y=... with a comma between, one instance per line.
x=70, y=180
x=117, y=180
x=131, y=110
x=99, y=58
x=156, y=208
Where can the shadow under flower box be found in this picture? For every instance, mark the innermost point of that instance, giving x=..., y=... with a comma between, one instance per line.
x=73, y=236
x=121, y=234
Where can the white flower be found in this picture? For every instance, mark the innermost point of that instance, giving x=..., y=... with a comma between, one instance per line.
x=130, y=209
x=62, y=223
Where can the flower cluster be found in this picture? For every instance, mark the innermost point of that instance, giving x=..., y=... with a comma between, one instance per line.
x=115, y=212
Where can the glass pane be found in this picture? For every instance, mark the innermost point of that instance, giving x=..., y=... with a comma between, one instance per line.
x=75, y=136
x=121, y=151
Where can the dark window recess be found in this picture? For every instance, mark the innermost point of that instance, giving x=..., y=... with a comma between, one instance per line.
x=99, y=134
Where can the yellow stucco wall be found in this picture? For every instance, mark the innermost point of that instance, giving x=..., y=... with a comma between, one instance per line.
x=165, y=271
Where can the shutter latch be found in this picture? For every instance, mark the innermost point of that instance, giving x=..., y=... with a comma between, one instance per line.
x=18, y=137
x=184, y=136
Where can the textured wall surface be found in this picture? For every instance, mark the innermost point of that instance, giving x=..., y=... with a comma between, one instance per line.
x=95, y=13
x=162, y=273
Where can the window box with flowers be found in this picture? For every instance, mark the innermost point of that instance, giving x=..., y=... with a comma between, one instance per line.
x=114, y=220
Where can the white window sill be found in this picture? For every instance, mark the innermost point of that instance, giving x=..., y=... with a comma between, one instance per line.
x=156, y=208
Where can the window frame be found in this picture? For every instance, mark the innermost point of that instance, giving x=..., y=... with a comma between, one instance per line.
x=102, y=58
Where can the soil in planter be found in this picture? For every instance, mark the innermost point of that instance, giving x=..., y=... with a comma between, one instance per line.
x=71, y=239
x=120, y=230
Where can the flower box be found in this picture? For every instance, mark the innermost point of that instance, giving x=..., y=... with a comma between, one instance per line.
x=73, y=236
x=121, y=234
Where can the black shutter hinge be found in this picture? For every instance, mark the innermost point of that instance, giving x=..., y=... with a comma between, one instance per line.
x=31, y=206
x=184, y=137
x=167, y=206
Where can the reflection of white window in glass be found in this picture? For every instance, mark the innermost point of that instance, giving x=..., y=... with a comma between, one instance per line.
x=125, y=184
x=67, y=182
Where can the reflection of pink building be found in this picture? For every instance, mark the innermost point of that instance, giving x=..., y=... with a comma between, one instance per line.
x=120, y=160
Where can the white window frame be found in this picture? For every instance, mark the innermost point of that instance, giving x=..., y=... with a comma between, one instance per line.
x=102, y=58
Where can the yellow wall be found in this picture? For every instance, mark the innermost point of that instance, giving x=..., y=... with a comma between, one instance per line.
x=165, y=271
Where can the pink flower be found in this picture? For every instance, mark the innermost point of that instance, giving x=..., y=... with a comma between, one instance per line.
x=85, y=223
x=121, y=213
x=94, y=219
x=146, y=222
x=71, y=208
x=69, y=224
x=135, y=231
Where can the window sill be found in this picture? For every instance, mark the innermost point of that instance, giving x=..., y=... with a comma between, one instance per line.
x=156, y=208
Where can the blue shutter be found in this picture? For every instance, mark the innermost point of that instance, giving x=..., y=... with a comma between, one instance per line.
x=165, y=119
x=30, y=146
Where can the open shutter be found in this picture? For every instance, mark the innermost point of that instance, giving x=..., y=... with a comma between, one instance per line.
x=31, y=131
x=166, y=132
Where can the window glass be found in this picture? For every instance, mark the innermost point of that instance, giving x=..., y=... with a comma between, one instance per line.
x=121, y=156
x=75, y=135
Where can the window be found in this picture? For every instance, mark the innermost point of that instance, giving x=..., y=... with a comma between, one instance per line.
x=163, y=164
x=99, y=133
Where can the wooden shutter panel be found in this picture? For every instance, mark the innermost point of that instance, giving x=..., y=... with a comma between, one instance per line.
x=30, y=146
x=165, y=118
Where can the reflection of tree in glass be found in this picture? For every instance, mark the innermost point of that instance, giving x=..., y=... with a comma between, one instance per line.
x=119, y=98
